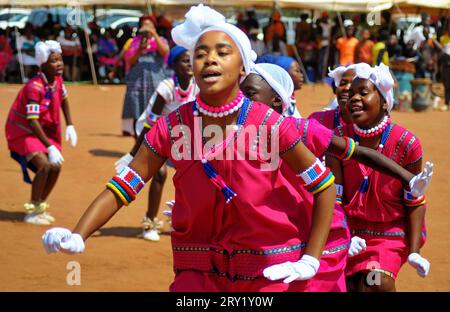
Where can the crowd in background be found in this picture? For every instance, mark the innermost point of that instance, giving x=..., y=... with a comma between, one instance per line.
x=320, y=44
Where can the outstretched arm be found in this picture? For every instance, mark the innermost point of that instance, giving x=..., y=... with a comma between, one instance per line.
x=146, y=164
x=319, y=181
x=371, y=158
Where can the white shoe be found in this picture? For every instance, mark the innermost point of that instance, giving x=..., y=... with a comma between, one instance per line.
x=48, y=216
x=151, y=229
x=43, y=207
x=36, y=219
x=151, y=235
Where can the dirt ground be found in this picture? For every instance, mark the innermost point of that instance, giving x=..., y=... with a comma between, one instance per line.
x=116, y=258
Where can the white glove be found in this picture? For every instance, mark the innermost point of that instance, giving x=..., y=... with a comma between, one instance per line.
x=61, y=239
x=123, y=162
x=419, y=184
x=357, y=245
x=54, y=155
x=72, y=135
x=303, y=269
x=418, y=262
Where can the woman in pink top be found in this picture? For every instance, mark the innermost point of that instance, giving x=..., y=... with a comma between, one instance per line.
x=236, y=228
x=331, y=119
x=270, y=84
x=389, y=217
x=33, y=129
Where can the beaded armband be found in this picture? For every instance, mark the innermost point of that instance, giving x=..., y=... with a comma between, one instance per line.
x=32, y=111
x=317, y=177
x=150, y=121
x=126, y=185
x=412, y=201
x=339, y=193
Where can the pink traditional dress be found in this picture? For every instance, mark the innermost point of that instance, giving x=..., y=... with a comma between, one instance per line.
x=219, y=246
x=331, y=273
x=331, y=119
x=36, y=100
x=375, y=206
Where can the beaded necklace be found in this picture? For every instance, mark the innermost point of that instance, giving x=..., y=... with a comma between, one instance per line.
x=180, y=93
x=49, y=89
x=374, y=131
x=221, y=111
x=212, y=174
x=384, y=137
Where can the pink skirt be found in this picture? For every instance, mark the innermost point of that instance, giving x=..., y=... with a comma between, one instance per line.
x=387, y=247
x=198, y=281
x=331, y=274
x=29, y=144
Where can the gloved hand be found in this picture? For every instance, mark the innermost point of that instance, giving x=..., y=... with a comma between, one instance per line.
x=419, y=184
x=357, y=245
x=54, y=155
x=123, y=162
x=303, y=269
x=61, y=239
x=72, y=135
x=418, y=262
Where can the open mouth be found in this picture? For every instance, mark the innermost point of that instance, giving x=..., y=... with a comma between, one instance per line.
x=211, y=76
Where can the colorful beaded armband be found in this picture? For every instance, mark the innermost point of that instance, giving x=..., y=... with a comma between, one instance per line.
x=150, y=121
x=32, y=111
x=317, y=177
x=349, y=149
x=339, y=193
x=413, y=201
x=126, y=185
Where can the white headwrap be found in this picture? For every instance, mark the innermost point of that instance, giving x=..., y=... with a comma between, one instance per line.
x=201, y=19
x=381, y=77
x=43, y=49
x=338, y=72
x=278, y=79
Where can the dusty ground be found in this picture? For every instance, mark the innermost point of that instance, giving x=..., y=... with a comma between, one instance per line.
x=117, y=259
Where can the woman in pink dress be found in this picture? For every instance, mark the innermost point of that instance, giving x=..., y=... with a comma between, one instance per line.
x=236, y=226
x=33, y=129
x=389, y=217
x=331, y=119
x=271, y=85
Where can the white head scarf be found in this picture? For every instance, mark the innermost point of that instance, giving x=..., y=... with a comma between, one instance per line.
x=338, y=72
x=278, y=79
x=381, y=77
x=43, y=49
x=201, y=19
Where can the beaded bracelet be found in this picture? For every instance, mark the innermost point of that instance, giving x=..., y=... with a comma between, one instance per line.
x=413, y=201
x=339, y=193
x=350, y=147
x=126, y=185
x=150, y=121
x=317, y=177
